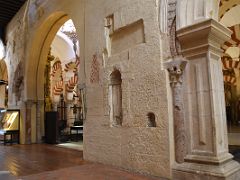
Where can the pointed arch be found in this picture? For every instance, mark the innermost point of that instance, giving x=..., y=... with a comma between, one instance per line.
x=43, y=38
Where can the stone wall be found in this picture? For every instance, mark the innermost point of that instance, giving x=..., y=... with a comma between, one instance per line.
x=15, y=55
x=131, y=44
x=119, y=34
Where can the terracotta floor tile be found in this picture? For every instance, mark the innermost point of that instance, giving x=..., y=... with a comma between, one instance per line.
x=47, y=162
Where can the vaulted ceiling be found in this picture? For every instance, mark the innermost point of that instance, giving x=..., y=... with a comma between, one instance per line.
x=8, y=8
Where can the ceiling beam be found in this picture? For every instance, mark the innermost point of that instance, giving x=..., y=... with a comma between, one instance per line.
x=8, y=9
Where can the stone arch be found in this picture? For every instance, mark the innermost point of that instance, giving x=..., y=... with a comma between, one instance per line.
x=229, y=17
x=39, y=51
x=116, y=77
x=41, y=37
x=36, y=60
x=226, y=6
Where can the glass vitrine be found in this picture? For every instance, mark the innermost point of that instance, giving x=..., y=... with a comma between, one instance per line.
x=10, y=125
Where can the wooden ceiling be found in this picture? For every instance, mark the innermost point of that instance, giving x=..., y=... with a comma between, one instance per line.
x=8, y=8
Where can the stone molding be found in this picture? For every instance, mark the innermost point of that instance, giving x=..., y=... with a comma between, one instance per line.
x=198, y=39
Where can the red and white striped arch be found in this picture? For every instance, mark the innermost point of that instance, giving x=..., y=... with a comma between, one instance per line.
x=72, y=83
x=230, y=79
x=228, y=63
x=57, y=67
x=72, y=65
x=58, y=88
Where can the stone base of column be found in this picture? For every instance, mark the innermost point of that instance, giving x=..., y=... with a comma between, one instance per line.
x=229, y=170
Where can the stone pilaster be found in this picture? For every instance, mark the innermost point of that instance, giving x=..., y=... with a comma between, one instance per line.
x=28, y=121
x=204, y=105
x=39, y=120
x=175, y=69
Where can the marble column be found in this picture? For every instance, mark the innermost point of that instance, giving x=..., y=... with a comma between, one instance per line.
x=204, y=104
x=175, y=69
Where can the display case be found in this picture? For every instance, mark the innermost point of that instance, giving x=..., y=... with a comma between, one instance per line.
x=10, y=125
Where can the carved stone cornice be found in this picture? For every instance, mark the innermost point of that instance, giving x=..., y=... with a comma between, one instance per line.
x=198, y=39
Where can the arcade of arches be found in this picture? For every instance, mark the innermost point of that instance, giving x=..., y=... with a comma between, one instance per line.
x=151, y=86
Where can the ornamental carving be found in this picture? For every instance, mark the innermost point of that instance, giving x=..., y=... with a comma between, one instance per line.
x=95, y=70
x=176, y=72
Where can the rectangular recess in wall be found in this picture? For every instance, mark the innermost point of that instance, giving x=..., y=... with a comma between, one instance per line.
x=127, y=37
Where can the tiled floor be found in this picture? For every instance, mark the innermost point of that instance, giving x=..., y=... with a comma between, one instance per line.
x=23, y=160
x=88, y=171
x=47, y=162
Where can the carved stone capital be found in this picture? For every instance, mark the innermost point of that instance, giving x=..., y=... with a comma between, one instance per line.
x=175, y=69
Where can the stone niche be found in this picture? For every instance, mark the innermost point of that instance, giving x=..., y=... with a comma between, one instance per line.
x=115, y=98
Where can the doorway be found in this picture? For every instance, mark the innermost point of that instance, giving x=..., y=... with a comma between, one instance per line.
x=62, y=95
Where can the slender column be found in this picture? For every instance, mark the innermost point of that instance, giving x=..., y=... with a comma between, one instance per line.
x=69, y=113
x=204, y=104
x=175, y=69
